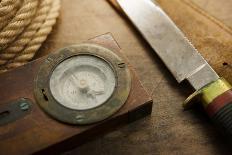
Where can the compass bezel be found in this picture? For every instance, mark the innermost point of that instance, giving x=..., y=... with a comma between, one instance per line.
x=51, y=106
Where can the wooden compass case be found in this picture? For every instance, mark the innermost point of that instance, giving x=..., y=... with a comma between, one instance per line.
x=26, y=129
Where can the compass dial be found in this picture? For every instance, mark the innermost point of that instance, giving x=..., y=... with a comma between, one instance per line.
x=82, y=82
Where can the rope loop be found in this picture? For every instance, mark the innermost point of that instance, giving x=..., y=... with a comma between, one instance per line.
x=24, y=26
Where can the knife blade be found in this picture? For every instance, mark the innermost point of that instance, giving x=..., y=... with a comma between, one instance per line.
x=182, y=59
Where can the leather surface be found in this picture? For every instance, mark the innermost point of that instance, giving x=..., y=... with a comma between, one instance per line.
x=219, y=9
x=169, y=130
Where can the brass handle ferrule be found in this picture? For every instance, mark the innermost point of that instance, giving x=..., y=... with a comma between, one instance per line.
x=208, y=93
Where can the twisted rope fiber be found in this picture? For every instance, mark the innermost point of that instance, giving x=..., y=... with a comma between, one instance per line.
x=8, y=9
x=25, y=33
x=28, y=34
x=22, y=18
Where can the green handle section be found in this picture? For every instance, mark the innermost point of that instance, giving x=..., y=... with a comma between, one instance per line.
x=220, y=111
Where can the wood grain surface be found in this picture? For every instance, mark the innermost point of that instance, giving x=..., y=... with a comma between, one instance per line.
x=170, y=130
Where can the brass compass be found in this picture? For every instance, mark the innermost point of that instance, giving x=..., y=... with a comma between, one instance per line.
x=82, y=84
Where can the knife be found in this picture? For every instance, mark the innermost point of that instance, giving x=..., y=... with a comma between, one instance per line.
x=182, y=59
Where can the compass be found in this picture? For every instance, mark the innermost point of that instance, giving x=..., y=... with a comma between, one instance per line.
x=82, y=84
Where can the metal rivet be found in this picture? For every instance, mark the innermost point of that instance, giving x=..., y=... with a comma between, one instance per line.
x=79, y=118
x=121, y=65
x=24, y=106
x=49, y=60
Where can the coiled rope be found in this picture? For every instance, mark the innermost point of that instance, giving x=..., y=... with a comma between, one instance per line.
x=24, y=26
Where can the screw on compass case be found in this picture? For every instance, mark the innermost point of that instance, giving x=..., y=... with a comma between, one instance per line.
x=43, y=134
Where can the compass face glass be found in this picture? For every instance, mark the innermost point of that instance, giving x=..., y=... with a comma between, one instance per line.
x=82, y=82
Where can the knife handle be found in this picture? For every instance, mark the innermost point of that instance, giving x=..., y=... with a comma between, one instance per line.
x=216, y=98
x=220, y=111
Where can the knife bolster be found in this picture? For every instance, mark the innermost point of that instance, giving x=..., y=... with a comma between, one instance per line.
x=208, y=93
